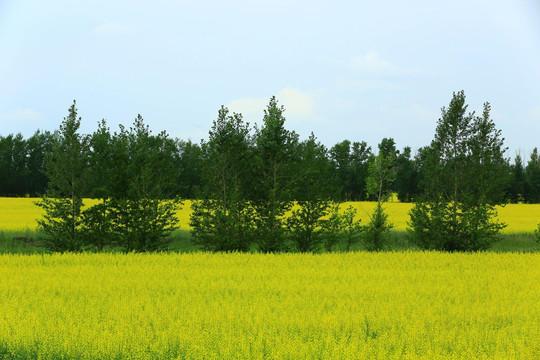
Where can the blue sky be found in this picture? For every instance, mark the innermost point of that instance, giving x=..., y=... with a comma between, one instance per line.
x=357, y=70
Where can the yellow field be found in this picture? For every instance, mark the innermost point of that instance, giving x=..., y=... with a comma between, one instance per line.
x=411, y=305
x=21, y=213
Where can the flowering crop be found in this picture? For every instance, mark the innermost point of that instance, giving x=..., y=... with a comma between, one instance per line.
x=21, y=214
x=410, y=305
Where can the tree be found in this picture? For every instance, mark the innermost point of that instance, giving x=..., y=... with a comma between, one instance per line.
x=274, y=178
x=463, y=179
x=97, y=224
x=406, y=182
x=532, y=175
x=221, y=216
x=360, y=169
x=142, y=208
x=66, y=168
x=517, y=188
x=190, y=164
x=37, y=148
x=13, y=165
x=340, y=155
x=379, y=181
x=333, y=226
x=351, y=228
x=313, y=192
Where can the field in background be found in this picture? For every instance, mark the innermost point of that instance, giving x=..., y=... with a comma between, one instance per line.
x=407, y=305
x=21, y=214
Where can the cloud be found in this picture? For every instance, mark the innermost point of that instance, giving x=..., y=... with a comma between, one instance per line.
x=114, y=29
x=248, y=107
x=299, y=105
x=373, y=64
x=21, y=115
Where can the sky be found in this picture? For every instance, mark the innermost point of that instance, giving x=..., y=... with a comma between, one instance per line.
x=357, y=70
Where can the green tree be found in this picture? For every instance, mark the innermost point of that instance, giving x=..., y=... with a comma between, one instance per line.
x=13, y=165
x=274, y=178
x=332, y=227
x=66, y=168
x=352, y=229
x=142, y=207
x=221, y=216
x=190, y=165
x=532, y=178
x=517, y=187
x=360, y=170
x=340, y=155
x=37, y=148
x=406, y=182
x=382, y=173
x=464, y=178
x=313, y=192
x=97, y=224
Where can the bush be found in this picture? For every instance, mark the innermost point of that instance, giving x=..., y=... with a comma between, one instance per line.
x=377, y=231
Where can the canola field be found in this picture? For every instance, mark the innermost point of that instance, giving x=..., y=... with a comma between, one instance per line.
x=21, y=214
x=405, y=305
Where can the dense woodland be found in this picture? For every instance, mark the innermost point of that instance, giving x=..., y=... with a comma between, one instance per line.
x=346, y=166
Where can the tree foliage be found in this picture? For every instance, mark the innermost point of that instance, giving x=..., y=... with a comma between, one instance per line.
x=314, y=190
x=142, y=205
x=532, y=176
x=464, y=177
x=382, y=172
x=221, y=216
x=274, y=178
x=66, y=169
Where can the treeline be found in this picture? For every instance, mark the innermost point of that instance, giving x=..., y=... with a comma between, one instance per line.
x=265, y=189
x=22, y=169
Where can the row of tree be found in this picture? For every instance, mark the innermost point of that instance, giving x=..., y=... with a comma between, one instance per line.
x=251, y=182
x=129, y=173
x=22, y=169
x=265, y=189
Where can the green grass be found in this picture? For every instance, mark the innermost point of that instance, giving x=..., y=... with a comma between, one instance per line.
x=13, y=242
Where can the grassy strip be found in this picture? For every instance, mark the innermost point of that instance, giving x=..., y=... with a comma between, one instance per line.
x=27, y=242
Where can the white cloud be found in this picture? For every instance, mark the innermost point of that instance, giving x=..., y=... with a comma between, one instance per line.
x=373, y=64
x=21, y=115
x=299, y=105
x=115, y=29
x=248, y=107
